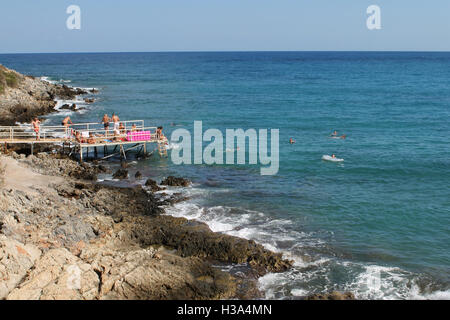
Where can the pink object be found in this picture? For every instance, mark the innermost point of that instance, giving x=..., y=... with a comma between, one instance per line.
x=139, y=136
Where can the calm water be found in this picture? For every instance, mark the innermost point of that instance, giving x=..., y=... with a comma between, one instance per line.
x=377, y=224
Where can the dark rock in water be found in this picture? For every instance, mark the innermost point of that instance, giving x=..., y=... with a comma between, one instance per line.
x=335, y=295
x=175, y=182
x=201, y=242
x=153, y=185
x=72, y=107
x=175, y=198
x=102, y=168
x=120, y=174
x=93, y=90
x=80, y=91
x=138, y=175
x=123, y=165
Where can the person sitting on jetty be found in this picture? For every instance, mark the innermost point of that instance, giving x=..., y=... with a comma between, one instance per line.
x=91, y=139
x=78, y=137
x=133, y=128
x=36, y=127
x=105, y=121
x=122, y=128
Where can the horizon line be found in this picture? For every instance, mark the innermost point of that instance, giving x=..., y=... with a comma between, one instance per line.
x=224, y=51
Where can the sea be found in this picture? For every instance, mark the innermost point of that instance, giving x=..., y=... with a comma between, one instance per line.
x=376, y=224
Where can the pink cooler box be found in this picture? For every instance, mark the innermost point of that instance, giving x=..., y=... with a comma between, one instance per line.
x=139, y=136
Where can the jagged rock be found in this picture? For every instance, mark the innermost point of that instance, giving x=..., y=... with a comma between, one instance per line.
x=198, y=240
x=138, y=175
x=27, y=97
x=15, y=261
x=175, y=182
x=111, y=234
x=121, y=174
x=58, y=275
x=72, y=107
x=138, y=273
x=335, y=295
x=153, y=185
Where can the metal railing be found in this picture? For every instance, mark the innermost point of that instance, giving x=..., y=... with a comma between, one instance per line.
x=55, y=134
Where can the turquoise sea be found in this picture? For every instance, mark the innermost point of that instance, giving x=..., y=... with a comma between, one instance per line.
x=377, y=224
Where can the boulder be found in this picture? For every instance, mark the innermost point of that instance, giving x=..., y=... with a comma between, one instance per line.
x=175, y=182
x=121, y=174
x=335, y=295
x=58, y=275
x=16, y=259
x=153, y=185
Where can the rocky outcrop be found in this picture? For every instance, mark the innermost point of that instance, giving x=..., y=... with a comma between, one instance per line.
x=16, y=259
x=80, y=240
x=335, y=295
x=120, y=174
x=24, y=97
x=175, y=182
x=58, y=275
x=191, y=238
x=153, y=185
x=62, y=166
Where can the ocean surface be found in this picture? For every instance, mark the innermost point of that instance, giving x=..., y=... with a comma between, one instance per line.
x=377, y=224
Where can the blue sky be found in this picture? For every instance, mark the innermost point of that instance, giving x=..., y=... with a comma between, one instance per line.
x=223, y=25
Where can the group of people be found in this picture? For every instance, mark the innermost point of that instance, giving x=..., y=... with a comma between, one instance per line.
x=36, y=125
x=336, y=135
x=118, y=131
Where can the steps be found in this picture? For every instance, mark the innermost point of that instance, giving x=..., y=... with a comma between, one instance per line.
x=162, y=150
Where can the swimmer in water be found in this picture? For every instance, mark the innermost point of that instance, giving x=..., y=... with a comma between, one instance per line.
x=334, y=134
x=291, y=141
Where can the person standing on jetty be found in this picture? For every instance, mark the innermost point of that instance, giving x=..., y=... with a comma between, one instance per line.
x=66, y=123
x=36, y=127
x=116, y=120
x=105, y=122
x=159, y=133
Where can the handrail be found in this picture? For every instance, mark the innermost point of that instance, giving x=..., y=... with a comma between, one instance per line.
x=63, y=133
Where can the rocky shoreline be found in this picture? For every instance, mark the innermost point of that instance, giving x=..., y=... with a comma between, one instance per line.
x=25, y=97
x=65, y=236
x=117, y=239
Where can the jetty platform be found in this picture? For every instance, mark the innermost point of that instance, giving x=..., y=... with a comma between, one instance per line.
x=81, y=137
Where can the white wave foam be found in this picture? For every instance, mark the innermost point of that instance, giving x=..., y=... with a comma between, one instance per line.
x=173, y=146
x=365, y=281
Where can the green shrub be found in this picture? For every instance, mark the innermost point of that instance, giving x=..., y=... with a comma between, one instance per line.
x=8, y=79
x=11, y=79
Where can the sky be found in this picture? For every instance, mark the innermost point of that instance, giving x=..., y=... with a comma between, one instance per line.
x=31, y=26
